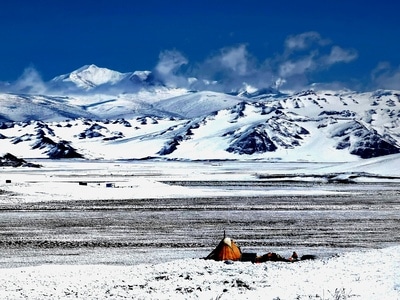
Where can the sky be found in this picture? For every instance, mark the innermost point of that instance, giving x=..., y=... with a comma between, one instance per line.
x=290, y=44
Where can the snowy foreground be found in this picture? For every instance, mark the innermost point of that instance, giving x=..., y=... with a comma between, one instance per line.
x=372, y=274
x=356, y=274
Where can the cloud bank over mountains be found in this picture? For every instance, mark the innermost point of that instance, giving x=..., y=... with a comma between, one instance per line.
x=230, y=69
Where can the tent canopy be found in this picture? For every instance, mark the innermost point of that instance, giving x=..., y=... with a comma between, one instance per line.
x=226, y=250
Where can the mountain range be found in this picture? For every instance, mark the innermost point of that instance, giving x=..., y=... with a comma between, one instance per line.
x=97, y=113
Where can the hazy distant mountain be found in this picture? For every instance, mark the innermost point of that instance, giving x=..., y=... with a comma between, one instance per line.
x=146, y=118
x=91, y=78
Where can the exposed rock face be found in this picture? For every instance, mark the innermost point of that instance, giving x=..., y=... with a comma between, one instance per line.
x=254, y=141
x=374, y=145
x=364, y=142
x=63, y=149
x=60, y=149
x=9, y=160
x=170, y=146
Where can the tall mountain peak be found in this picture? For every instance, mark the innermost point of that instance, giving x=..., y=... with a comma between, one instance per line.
x=90, y=76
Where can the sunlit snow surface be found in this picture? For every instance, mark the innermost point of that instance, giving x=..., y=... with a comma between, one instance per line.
x=187, y=125
x=165, y=269
x=362, y=275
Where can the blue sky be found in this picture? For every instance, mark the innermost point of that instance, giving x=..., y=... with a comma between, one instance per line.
x=289, y=43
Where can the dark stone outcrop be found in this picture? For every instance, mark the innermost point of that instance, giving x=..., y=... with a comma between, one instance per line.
x=9, y=160
x=255, y=141
x=62, y=149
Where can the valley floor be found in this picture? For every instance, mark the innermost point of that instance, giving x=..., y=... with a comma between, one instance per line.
x=137, y=230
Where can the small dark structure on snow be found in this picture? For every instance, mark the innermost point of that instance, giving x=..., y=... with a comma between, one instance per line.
x=228, y=250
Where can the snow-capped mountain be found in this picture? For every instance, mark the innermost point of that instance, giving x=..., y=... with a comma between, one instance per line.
x=93, y=79
x=154, y=120
x=90, y=76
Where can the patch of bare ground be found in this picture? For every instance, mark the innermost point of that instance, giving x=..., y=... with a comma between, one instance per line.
x=357, y=216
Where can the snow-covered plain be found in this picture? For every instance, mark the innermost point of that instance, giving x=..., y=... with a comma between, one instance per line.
x=372, y=274
x=157, y=272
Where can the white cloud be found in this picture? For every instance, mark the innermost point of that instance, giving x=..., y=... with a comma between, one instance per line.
x=308, y=53
x=235, y=59
x=295, y=67
x=304, y=41
x=170, y=61
x=338, y=55
x=303, y=55
x=29, y=82
x=232, y=67
x=384, y=76
x=229, y=61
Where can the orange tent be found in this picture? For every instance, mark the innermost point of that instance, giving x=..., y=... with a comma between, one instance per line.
x=226, y=250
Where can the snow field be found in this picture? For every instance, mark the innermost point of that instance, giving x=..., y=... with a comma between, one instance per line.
x=372, y=274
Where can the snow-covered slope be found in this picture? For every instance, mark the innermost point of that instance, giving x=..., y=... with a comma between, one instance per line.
x=307, y=126
x=97, y=105
x=19, y=107
x=89, y=77
x=197, y=104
